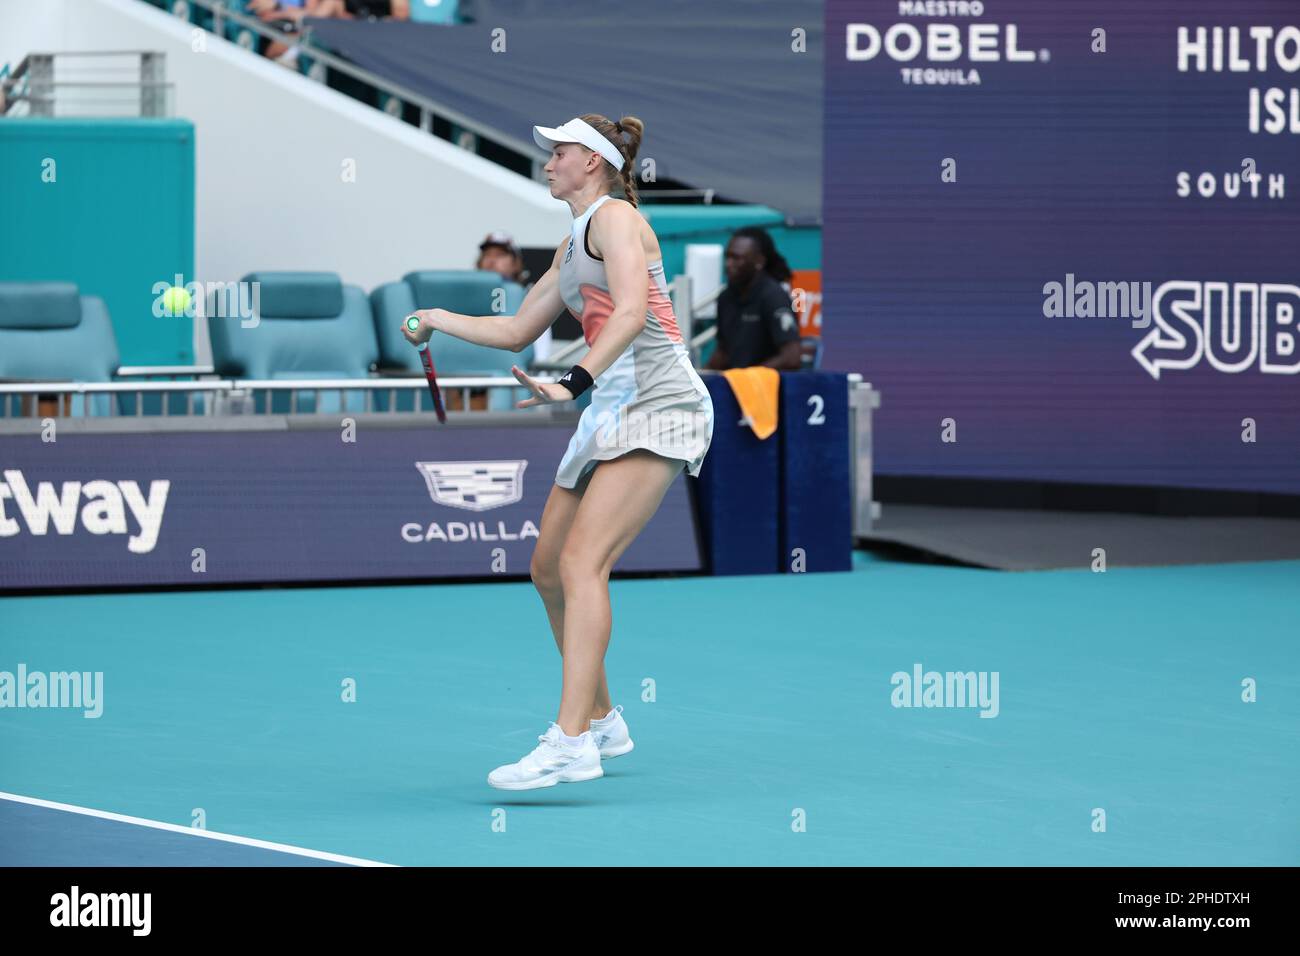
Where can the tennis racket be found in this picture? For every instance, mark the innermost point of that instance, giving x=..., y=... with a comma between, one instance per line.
x=413, y=324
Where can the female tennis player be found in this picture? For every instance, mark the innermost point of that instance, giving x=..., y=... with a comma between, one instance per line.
x=650, y=416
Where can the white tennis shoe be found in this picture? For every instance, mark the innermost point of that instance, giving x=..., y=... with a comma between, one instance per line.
x=551, y=762
x=611, y=734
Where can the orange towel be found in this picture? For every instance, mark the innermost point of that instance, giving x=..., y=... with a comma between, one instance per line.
x=756, y=389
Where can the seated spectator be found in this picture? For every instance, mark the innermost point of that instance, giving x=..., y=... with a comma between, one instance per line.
x=337, y=9
x=288, y=16
x=499, y=253
x=285, y=15
x=378, y=9
x=756, y=320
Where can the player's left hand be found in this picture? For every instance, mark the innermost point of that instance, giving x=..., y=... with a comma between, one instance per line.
x=544, y=393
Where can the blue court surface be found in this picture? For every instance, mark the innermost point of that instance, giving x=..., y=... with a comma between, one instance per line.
x=772, y=707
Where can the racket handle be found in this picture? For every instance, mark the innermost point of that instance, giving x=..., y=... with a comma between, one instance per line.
x=413, y=325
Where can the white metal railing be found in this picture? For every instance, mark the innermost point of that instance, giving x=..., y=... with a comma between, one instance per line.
x=238, y=396
x=172, y=371
x=863, y=402
x=682, y=284
x=55, y=83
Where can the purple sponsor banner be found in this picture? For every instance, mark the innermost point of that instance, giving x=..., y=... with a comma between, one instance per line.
x=300, y=505
x=977, y=154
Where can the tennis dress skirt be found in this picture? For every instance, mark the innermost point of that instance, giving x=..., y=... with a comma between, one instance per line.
x=651, y=396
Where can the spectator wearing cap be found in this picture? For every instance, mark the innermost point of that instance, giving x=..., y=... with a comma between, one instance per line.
x=756, y=321
x=501, y=254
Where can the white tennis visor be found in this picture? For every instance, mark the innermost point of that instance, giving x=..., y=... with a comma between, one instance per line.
x=577, y=131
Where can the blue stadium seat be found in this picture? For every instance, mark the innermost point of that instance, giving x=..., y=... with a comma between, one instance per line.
x=50, y=332
x=435, y=11
x=238, y=33
x=199, y=16
x=467, y=291
x=310, y=326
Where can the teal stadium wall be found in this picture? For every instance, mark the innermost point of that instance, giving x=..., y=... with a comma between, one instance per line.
x=678, y=226
x=118, y=218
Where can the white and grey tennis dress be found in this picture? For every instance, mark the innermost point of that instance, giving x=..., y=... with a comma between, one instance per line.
x=651, y=396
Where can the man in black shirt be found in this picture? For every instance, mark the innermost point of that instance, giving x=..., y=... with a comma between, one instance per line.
x=756, y=323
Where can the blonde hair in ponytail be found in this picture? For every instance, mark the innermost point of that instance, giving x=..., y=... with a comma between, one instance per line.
x=626, y=135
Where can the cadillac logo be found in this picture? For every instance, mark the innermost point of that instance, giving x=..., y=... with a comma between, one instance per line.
x=474, y=485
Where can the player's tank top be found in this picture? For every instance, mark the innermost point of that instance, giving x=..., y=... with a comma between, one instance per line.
x=657, y=362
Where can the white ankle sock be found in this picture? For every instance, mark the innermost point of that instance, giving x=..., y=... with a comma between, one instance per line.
x=572, y=741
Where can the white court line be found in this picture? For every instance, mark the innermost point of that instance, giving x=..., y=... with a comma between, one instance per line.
x=191, y=831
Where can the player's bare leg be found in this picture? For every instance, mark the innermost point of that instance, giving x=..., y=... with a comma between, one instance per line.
x=621, y=497
x=557, y=517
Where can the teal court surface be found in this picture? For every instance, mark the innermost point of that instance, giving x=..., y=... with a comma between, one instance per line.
x=762, y=710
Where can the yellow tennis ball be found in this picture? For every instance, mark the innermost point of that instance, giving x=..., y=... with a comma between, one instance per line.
x=176, y=300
